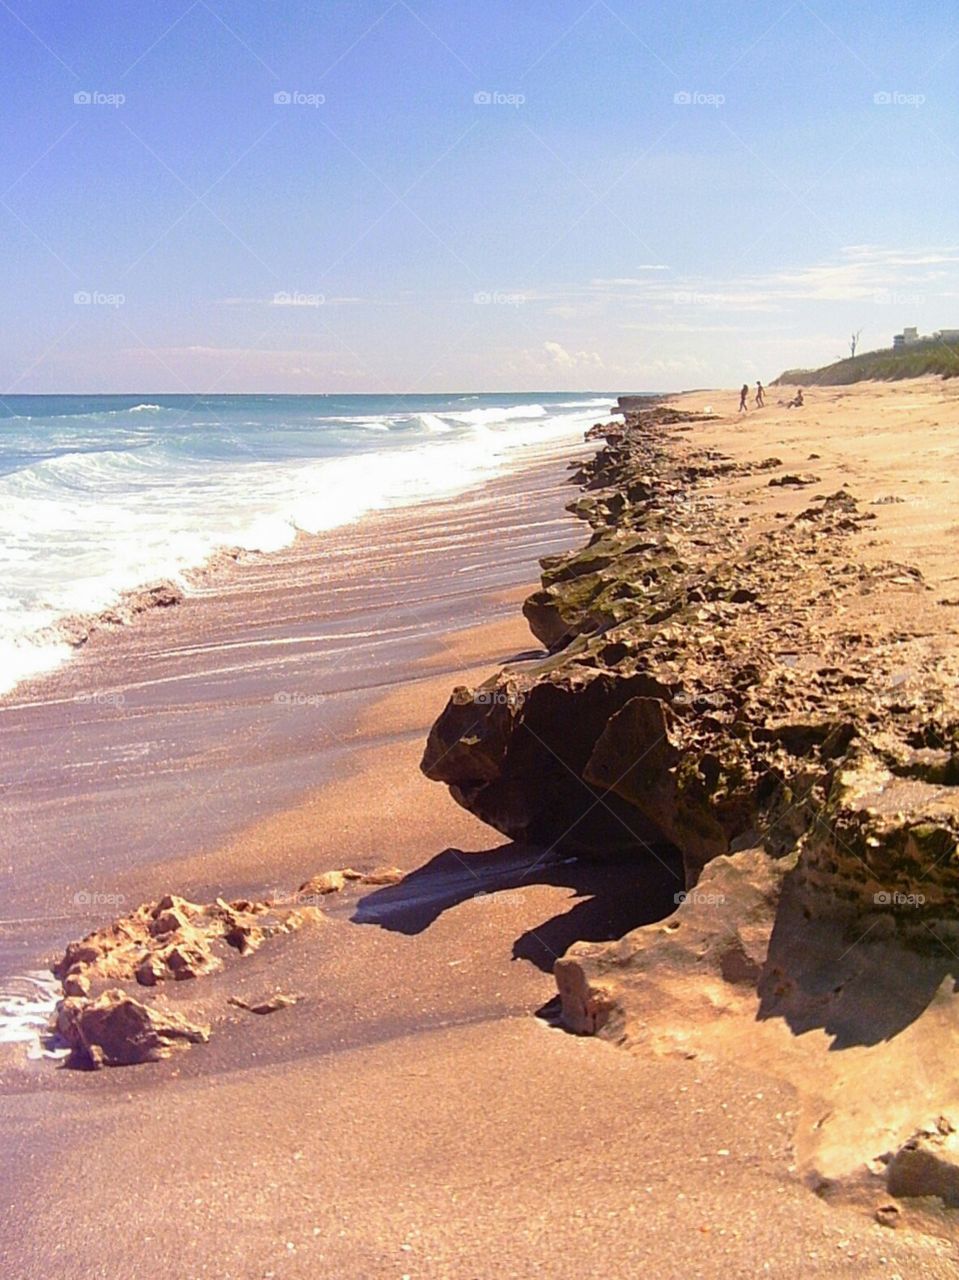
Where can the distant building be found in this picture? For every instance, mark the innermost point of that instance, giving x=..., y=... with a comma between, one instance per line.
x=909, y=336
x=905, y=338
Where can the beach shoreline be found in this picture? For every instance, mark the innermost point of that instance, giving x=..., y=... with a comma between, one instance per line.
x=411, y=1115
x=111, y=509
x=165, y=737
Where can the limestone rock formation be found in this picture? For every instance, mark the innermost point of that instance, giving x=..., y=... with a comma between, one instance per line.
x=928, y=1165
x=746, y=684
x=516, y=756
x=712, y=950
x=115, y=1030
x=712, y=690
x=172, y=940
x=169, y=940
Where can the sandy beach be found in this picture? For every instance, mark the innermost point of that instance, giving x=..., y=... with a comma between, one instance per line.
x=411, y=1115
x=479, y=642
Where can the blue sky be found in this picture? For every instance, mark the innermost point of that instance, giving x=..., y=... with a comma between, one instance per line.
x=382, y=195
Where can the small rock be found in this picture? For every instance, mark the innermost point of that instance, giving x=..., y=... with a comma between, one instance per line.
x=117, y=1031
x=278, y=1001
x=325, y=882
x=796, y=480
x=887, y=1215
x=334, y=881
x=383, y=875
x=76, y=982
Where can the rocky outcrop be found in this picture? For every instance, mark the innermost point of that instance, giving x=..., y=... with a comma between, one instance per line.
x=516, y=755
x=115, y=1030
x=715, y=686
x=174, y=940
x=711, y=951
x=656, y=413
x=734, y=675
x=740, y=972
x=928, y=1165
x=171, y=940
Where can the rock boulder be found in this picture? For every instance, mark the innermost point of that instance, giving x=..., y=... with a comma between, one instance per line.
x=115, y=1030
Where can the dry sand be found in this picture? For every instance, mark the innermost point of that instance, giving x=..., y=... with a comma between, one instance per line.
x=412, y=1116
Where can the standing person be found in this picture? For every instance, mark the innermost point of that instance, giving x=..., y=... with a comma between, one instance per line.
x=742, y=397
x=760, y=399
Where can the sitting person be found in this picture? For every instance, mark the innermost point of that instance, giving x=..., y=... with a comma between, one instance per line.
x=796, y=402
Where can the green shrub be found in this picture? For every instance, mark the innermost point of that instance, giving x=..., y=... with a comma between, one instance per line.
x=888, y=365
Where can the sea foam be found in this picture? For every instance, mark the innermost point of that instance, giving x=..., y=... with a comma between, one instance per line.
x=99, y=498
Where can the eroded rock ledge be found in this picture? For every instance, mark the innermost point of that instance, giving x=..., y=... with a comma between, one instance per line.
x=736, y=673
x=719, y=682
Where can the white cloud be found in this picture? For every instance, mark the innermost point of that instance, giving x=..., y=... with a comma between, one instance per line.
x=559, y=358
x=669, y=326
x=856, y=273
x=292, y=298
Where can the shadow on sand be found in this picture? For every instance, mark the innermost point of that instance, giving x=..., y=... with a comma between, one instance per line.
x=612, y=898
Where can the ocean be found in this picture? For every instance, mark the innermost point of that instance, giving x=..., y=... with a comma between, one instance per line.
x=100, y=495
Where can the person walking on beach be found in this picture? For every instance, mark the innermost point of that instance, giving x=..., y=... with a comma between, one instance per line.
x=742, y=398
x=760, y=399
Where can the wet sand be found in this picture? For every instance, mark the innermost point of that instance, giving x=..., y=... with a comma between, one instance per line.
x=412, y=1116
x=161, y=739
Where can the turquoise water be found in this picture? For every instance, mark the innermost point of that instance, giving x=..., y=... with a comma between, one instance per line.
x=102, y=494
